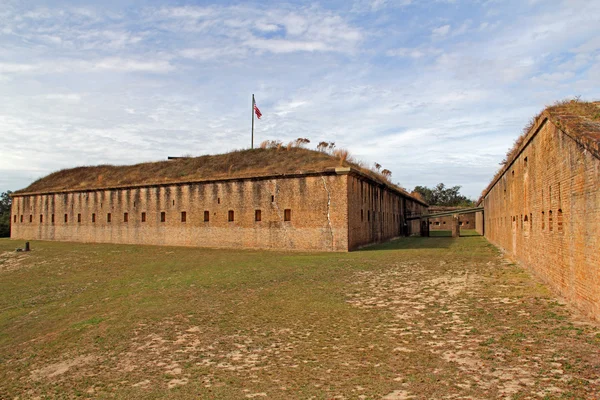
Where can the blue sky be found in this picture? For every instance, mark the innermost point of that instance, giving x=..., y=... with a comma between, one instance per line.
x=435, y=91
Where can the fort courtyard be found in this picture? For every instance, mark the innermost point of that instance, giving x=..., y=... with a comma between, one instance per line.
x=413, y=318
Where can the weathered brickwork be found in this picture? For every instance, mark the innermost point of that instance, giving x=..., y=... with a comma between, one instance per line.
x=302, y=212
x=465, y=221
x=544, y=210
x=376, y=213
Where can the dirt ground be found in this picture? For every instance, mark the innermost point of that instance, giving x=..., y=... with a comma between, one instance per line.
x=418, y=318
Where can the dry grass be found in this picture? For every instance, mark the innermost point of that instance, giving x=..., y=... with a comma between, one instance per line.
x=426, y=318
x=271, y=159
x=243, y=163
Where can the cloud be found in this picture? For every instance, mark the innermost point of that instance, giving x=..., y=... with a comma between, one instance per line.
x=393, y=82
x=440, y=31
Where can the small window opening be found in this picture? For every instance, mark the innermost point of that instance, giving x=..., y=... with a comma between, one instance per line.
x=368, y=215
x=52, y=219
x=134, y=204
x=108, y=217
x=362, y=215
x=173, y=202
x=206, y=216
x=525, y=161
x=21, y=219
x=125, y=217
x=66, y=218
x=257, y=215
x=218, y=200
x=163, y=216
x=41, y=218
x=444, y=222
x=550, y=221
x=230, y=216
x=143, y=217
x=543, y=220
x=437, y=223
x=559, y=220
x=183, y=216
x=94, y=217
x=513, y=173
x=287, y=214
x=467, y=222
x=272, y=198
x=15, y=219
x=79, y=218
x=30, y=218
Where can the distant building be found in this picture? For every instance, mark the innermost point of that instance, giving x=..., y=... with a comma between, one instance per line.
x=263, y=198
x=543, y=207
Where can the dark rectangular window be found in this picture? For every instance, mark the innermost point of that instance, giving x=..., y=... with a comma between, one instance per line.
x=287, y=214
x=183, y=216
x=93, y=217
x=41, y=219
x=218, y=200
x=30, y=218
x=79, y=218
x=52, y=218
x=543, y=220
x=230, y=216
x=272, y=198
x=143, y=217
x=163, y=216
x=257, y=215
x=108, y=217
x=66, y=218
x=560, y=220
x=15, y=219
x=21, y=219
x=362, y=215
x=550, y=221
x=126, y=217
x=206, y=216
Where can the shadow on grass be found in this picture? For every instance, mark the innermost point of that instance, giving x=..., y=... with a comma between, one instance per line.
x=414, y=242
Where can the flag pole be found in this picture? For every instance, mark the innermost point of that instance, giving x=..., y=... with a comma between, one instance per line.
x=252, y=140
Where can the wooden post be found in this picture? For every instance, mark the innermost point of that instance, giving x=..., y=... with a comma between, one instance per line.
x=252, y=140
x=455, y=226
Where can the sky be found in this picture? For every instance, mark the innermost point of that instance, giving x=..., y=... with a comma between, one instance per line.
x=435, y=91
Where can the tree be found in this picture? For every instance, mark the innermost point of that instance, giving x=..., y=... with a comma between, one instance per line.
x=443, y=196
x=5, y=207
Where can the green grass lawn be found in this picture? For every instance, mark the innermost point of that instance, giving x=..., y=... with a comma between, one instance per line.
x=427, y=317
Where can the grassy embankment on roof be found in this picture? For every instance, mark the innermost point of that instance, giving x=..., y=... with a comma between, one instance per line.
x=236, y=164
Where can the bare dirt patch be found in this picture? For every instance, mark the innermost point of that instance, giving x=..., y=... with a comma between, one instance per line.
x=12, y=261
x=472, y=320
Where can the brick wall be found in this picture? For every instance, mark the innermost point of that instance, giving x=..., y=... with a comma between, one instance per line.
x=465, y=221
x=545, y=212
x=318, y=214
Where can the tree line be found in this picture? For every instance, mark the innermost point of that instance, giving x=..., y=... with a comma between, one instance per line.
x=5, y=204
x=441, y=195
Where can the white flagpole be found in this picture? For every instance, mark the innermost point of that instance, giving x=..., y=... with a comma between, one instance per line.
x=252, y=140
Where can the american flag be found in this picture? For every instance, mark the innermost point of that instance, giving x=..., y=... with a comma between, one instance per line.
x=257, y=111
